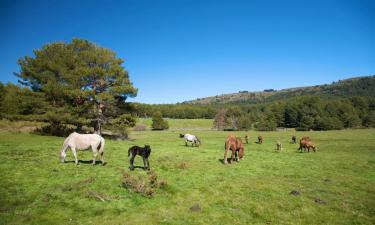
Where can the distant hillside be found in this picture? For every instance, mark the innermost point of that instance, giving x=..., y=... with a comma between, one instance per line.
x=358, y=86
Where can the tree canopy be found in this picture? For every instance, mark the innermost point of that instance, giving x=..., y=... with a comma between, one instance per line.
x=82, y=82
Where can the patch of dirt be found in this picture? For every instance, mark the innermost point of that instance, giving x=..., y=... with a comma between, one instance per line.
x=320, y=201
x=195, y=208
x=182, y=165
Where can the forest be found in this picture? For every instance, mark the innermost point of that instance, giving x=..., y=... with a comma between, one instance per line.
x=344, y=104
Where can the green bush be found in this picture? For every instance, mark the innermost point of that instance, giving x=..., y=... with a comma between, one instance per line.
x=158, y=123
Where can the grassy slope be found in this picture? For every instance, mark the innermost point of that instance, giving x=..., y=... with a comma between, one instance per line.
x=35, y=188
x=357, y=86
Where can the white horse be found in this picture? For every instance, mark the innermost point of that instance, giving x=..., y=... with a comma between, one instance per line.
x=77, y=141
x=191, y=138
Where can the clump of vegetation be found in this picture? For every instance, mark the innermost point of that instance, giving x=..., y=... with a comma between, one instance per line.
x=56, y=129
x=142, y=185
x=231, y=119
x=121, y=124
x=158, y=123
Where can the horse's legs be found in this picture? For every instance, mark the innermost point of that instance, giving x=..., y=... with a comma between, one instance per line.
x=95, y=152
x=131, y=167
x=148, y=164
x=75, y=155
x=186, y=142
x=232, y=156
x=236, y=156
x=102, y=157
x=144, y=162
x=225, y=156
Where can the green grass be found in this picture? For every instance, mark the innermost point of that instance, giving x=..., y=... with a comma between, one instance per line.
x=36, y=189
x=182, y=124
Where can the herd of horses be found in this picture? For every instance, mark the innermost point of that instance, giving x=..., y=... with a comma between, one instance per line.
x=76, y=141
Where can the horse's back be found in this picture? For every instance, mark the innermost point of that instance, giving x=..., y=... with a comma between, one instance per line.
x=84, y=141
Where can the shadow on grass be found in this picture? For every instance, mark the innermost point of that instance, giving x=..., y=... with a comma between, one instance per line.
x=138, y=167
x=229, y=161
x=86, y=162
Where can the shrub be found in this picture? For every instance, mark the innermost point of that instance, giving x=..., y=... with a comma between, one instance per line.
x=141, y=185
x=158, y=123
x=55, y=129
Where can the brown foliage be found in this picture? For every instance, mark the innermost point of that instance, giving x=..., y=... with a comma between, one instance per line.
x=145, y=187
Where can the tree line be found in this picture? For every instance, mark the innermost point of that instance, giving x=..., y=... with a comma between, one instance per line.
x=81, y=84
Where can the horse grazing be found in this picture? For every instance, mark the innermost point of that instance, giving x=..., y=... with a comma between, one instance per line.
x=260, y=139
x=144, y=152
x=294, y=139
x=279, y=146
x=305, y=143
x=247, y=139
x=191, y=138
x=235, y=144
x=77, y=141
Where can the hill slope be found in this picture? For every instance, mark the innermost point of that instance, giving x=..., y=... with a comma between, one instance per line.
x=362, y=86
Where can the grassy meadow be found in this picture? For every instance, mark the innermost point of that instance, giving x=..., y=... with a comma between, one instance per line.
x=336, y=185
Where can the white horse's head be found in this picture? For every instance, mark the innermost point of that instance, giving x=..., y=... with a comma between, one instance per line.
x=62, y=156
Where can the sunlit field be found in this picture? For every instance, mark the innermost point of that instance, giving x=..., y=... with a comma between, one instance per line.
x=335, y=185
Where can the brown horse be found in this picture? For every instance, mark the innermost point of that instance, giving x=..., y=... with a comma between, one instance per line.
x=235, y=144
x=305, y=143
x=260, y=139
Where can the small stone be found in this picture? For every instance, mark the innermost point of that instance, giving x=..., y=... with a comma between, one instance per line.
x=195, y=208
x=295, y=193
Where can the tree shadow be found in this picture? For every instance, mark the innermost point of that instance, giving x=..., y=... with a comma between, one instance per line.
x=116, y=137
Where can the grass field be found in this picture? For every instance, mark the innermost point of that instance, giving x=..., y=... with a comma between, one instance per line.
x=336, y=184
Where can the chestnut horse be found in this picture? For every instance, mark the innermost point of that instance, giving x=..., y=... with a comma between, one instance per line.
x=235, y=144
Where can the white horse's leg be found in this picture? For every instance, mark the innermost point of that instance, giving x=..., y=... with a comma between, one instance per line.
x=75, y=154
x=101, y=151
x=95, y=152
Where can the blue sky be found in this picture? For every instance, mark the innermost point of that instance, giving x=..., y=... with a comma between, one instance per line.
x=182, y=50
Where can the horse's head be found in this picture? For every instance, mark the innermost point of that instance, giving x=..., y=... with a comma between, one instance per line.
x=181, y=135
x=241, y=153
x=147, y=149
x=62, y=157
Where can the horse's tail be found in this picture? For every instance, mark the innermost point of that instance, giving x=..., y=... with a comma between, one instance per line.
x=129, y=152
x=101, y=145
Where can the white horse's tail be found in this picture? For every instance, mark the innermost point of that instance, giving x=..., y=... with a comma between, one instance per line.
x=101, y=145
